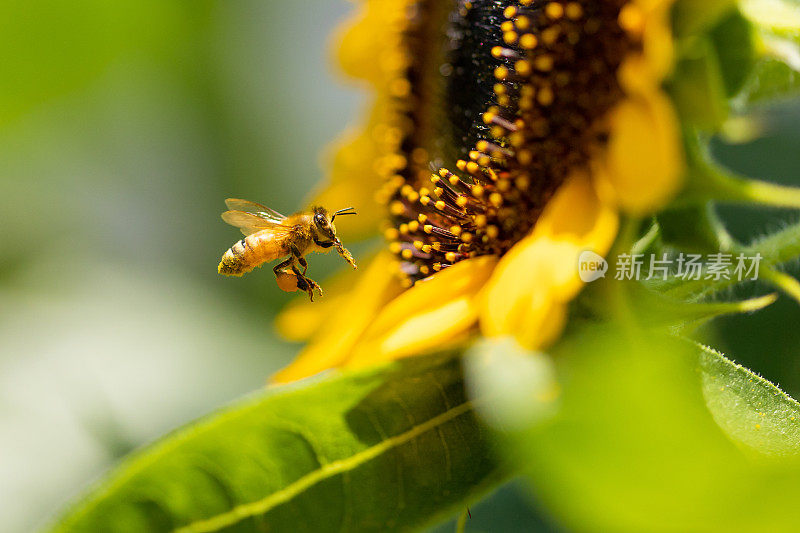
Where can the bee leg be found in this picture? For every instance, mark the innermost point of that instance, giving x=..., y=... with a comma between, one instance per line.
x=282, y=266
x=306, y=284
x=300, y=259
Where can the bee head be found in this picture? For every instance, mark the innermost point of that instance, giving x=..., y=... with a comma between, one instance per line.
x=324, y=222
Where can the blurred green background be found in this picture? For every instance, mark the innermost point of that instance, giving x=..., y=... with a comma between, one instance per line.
x=123, y=126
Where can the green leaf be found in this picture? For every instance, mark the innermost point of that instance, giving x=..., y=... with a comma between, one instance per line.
x=391, y=448
x=750, y=409
x=633, y=447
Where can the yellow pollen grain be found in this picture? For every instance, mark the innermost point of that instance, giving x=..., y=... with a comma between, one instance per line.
x=497, y=131
x=523, y=67
x=427, y=248
x=528, y=41
x=450, y=257
x=437, y=267
x=477, y=191
x=522, y=183
x=440, y=205
x=504, y=185
x=484, y=160
x=472, y=167
x=418, y=245
x=397, y=208
x=574, y=11
x=497, y=52
x=425, y=200
x=391, y=234
x=525, y=157
x=554, y=10
x=400, y=87
x=492, y=232
x=510, y=12
x=461, y=164
x=424, y=270
x=507, y=26
x=454, y=180
x=496, y=199
x=480, y=221
x=407, y=254
x=395, y=247
x=522, y=23
x=544, y=63
x=422, y=218
x=466, y=237
x=545, y=96
x=403, y=229
x=501, y=73
x=413, y=226
x=550, y=35
x=438, y=191
x=482, y=145
x=631, y=19
x=499, y=88
x=455, y=230
x=427, y=228
x=462, y=201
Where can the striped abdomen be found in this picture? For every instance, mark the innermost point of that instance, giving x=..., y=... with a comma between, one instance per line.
x=252, y=251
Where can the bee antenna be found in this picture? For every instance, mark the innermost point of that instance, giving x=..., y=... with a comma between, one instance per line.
x=345, y=211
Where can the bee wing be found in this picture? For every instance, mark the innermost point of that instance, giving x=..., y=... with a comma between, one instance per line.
x=262, y=211
x=248, y=222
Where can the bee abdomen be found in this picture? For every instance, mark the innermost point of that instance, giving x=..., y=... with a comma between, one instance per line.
x=238, y=260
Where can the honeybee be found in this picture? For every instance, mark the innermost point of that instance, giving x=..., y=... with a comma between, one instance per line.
x=270, y=235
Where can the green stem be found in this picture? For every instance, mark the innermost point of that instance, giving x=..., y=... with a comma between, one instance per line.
x=782, y=281
x=461, y=525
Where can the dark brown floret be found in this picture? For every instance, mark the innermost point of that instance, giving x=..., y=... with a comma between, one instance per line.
x=506, y=100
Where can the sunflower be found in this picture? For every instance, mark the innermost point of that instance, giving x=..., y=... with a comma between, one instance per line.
x=504, y=139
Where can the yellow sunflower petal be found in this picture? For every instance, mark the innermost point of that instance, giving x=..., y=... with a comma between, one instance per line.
x=644, y=163
x=427, y=316
x=527, y=295
x=345, y=326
